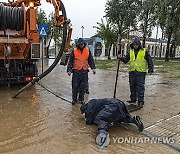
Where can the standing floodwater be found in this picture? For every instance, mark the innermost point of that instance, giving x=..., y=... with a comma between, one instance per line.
x=38, y=122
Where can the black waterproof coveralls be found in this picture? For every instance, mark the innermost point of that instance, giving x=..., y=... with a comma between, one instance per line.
x=79, y=78
x=137, y=79
x=103, y=112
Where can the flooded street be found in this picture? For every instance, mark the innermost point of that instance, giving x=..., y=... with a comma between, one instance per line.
x=38, y=122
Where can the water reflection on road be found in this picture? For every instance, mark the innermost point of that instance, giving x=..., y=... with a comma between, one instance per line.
x=38, y=122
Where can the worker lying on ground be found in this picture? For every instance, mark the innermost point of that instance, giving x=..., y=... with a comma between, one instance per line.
x=103, y=112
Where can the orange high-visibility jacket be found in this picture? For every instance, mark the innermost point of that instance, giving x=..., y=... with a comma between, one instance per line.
x=81, y=59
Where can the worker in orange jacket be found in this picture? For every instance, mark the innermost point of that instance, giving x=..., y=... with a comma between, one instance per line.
x=78, y=63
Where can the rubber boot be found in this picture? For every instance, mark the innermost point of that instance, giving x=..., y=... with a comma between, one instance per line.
x=137, y=121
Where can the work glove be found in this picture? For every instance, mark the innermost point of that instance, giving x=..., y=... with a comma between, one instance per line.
x=93, y=71
x=102, y=139
x=69, y=73
x=119, y=56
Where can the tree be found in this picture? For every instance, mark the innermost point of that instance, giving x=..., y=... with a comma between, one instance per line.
x=147, y=18
x=175, y=40
x=123, y=15
x=54, y=33
x=50, y=24
x=41, y=17
x=108, y=34
x=169, y=18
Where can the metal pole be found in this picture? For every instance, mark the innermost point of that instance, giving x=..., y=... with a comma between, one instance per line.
x=156, y=42
x=117, y=73
x=82, y=30
x=42, y=53
x=55, y=47
x=161, y=45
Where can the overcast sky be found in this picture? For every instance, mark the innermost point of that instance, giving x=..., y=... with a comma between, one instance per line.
x=84, y=13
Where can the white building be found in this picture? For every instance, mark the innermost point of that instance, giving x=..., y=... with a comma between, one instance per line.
x=156, y=48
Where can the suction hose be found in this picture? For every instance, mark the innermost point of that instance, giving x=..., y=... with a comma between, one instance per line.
x=56, y=60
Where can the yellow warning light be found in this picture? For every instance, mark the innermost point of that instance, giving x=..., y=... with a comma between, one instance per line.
x=31, y=4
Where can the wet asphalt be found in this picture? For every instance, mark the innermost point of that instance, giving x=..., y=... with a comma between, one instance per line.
x=40, y=122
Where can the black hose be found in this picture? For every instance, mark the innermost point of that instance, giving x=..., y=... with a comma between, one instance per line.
x=11, y=18
x=54, y=93
x=57, y=58
x=62, y=46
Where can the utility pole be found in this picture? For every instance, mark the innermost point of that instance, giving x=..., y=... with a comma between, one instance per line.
x=82, y=27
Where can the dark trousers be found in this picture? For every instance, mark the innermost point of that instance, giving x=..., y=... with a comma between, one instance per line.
x=136, y=82
x=78, y=85
x=87, y=83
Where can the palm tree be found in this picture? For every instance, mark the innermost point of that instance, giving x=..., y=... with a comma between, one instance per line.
x=108, y=34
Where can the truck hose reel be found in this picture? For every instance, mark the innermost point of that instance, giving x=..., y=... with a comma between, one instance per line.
x=11, y=18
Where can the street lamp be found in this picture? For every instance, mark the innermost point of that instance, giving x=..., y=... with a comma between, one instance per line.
x=82, y=30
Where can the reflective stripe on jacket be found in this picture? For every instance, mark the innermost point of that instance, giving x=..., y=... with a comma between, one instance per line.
x=139, y=63
x=81, y=59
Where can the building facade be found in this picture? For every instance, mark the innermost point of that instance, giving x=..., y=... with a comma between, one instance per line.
x=156, y=48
